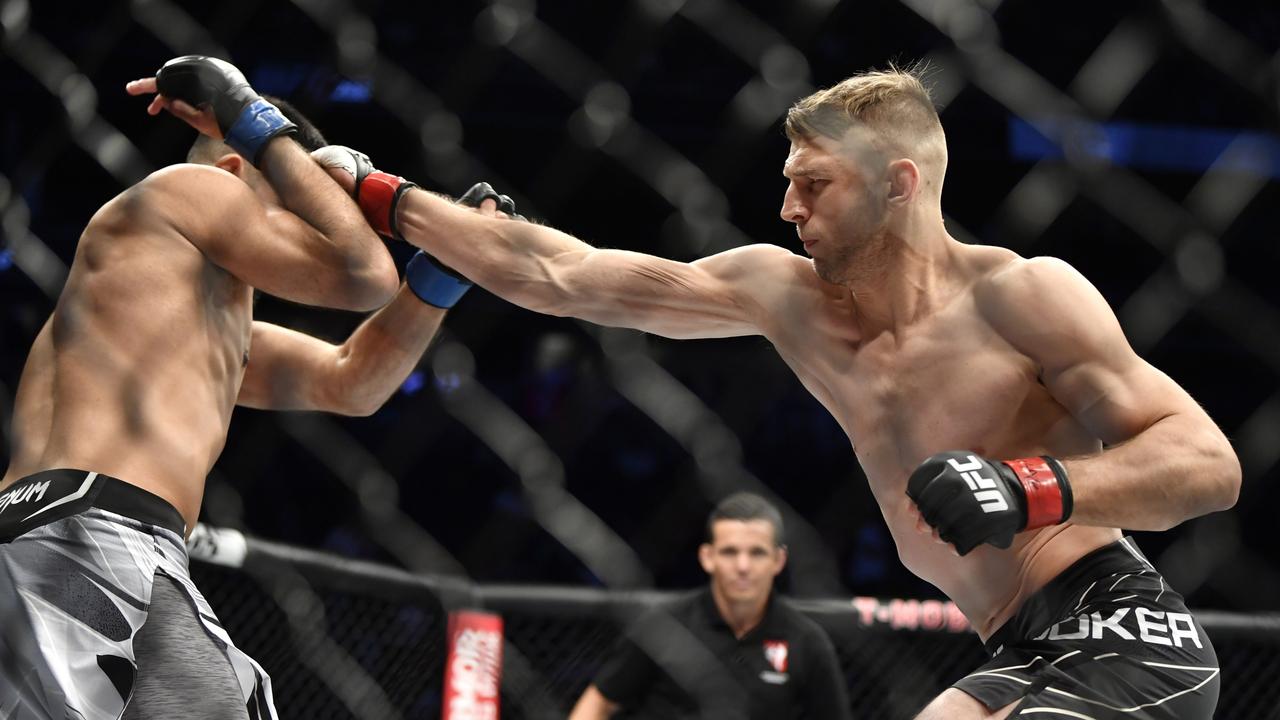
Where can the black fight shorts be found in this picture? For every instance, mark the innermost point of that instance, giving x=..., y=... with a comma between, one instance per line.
x=1107, y=638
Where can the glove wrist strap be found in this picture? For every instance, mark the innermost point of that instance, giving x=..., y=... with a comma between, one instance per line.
x=1044, y=481
x=378, y=195
x=433, y=285
x=257, y=124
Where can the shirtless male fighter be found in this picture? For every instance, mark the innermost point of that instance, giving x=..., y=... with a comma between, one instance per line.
x=937, y=358
x=126, y=395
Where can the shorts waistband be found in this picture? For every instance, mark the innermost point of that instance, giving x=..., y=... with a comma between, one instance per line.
x=1053, y=601
x=121, y=498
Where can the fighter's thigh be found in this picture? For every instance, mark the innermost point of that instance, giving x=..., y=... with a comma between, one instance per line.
x=68, y=620
x=955, y=704
x=179, y=665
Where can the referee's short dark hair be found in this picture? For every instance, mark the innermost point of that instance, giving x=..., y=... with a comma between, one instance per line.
x=746, y=506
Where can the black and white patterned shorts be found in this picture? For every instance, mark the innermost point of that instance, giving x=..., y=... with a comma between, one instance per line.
x=98, y=614
x=1107, y=638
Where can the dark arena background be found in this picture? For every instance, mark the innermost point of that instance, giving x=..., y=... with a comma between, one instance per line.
x=560, y=473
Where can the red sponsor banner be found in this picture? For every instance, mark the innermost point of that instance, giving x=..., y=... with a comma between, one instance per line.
x=900, y=614
x=473, y=671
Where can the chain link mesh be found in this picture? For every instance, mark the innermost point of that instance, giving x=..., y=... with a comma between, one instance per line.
x=531, y=449
x=562, y=640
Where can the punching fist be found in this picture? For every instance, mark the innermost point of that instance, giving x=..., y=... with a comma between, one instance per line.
x=246, y=121
x=970, y=500
x=377, y=193
x=355, y=165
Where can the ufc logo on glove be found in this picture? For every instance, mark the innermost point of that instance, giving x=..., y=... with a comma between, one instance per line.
x=984, y=489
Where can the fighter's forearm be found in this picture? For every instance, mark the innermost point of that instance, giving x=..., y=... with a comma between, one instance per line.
x=374, y=362
x=308, y=192
x=510, y=259
x=1178, y=468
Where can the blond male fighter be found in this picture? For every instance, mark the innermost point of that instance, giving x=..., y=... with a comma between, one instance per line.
x=938, y=358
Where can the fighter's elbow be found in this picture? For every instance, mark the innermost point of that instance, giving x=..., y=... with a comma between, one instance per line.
x=1218, y=477
x=360, y=409
x=1229, y=479
x=356, y=404
x=347, y=387
x=369, y=288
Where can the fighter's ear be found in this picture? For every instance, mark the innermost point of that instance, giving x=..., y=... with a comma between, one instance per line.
x=232, y=162
x=904, y=181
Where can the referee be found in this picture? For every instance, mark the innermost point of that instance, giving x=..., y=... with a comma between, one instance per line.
x=734, y=649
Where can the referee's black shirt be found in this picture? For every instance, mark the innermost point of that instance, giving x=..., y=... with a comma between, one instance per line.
x=684, y=662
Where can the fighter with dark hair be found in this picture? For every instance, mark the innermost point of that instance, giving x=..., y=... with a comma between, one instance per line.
x=125, y=399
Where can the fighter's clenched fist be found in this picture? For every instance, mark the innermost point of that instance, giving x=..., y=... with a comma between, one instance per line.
x=970, y=500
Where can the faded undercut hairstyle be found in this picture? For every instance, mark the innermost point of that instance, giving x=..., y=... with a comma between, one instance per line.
x=206, y=149
x=894, y=103
x=746, y=506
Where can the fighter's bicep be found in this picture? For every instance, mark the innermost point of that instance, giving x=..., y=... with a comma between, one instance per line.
x=287, y=370
x=1115, y=399
x=1051, y=313
x=706, y=298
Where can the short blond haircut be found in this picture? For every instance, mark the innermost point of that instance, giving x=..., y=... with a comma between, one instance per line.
x=894, y=103
x=878, y=97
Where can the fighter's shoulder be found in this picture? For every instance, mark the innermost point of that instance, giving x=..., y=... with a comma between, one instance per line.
x=193, y=174
x=184, y=200
x=761, y=268
x=757, y=257
x=1010, y=282
x=1041, y=303
x=186, y=180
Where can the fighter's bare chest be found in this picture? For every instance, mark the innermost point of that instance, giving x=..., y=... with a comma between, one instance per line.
x=947, y=384
x=937, y=395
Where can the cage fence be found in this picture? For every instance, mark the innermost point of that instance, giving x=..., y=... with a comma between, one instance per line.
x=386, y=628
x=1074, y=134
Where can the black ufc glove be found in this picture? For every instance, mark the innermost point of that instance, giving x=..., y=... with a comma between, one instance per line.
x=970, y=500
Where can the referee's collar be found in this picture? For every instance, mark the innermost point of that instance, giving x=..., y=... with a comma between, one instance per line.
x=708, y=603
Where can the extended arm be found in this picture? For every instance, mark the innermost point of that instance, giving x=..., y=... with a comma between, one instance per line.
x=292, y=371
x=548, y=271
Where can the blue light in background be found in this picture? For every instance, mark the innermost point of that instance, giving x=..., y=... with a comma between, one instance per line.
x=1151, y=147
x=292, y=80
x=352, y=91
x=281, y=79
x=413, y=383
x=6, y=260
